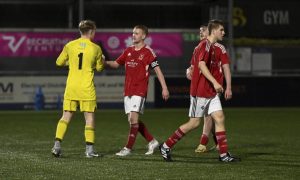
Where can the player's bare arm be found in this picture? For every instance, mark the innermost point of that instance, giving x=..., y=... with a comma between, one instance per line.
x=204, y=70
x=161, y=78
x=189, y=72
x=112, y=64
x=227, y=74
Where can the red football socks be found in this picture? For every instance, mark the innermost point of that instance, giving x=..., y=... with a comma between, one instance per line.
x=132, y=135
x=222, y=141
x=178, y=134
x=204, y=140
x=144, y=132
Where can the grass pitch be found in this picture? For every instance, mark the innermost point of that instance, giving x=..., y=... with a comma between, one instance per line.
x=266, y=139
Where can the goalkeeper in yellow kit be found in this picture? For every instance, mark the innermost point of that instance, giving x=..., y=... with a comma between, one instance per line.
x=83, y=57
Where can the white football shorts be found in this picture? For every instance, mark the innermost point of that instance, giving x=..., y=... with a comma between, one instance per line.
x=200, y=107
x=134, y=103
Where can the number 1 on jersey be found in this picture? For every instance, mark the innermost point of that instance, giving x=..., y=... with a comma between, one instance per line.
x=80, y=56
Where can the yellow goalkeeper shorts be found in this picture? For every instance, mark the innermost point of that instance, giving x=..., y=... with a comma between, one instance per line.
x=85, y=106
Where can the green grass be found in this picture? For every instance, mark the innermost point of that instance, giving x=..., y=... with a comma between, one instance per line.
x=266, y=139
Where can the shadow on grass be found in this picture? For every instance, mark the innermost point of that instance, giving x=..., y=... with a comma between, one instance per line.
x=176, y=159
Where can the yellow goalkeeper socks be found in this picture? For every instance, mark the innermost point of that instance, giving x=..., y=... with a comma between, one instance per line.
x=61, y=129
x=89, y=133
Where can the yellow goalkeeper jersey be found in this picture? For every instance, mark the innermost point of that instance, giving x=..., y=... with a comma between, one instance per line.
x=83, y=57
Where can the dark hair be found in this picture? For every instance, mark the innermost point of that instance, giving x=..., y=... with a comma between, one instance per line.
x=86, y=25
x=214, y=24
x=143, y=28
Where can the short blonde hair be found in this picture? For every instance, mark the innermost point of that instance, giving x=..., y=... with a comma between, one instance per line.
x=214, y=24
x=86, y=25
x=143, y=28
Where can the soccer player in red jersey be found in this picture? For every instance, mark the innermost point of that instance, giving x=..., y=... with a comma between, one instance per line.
x=208, y=124
x=205, y=89
x=138, y=59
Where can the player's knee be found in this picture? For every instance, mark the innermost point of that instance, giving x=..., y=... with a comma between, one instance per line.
x=193, y=123
x=133, y=117
x=190, y=125
x=219, y=119
x=89, y=122
x=132, y=120
x=67, y=116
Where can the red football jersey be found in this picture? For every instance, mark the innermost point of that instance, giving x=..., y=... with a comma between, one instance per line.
x=214, y=55
x=137, y=73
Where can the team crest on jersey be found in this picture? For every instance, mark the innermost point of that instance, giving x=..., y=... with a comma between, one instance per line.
x=141, y=57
